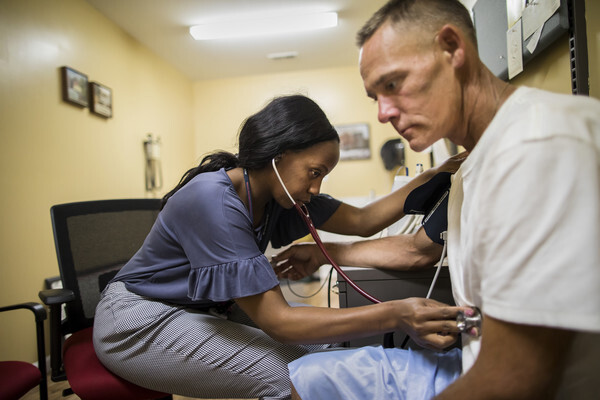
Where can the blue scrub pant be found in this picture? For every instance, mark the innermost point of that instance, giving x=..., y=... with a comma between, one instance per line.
x=374, y=373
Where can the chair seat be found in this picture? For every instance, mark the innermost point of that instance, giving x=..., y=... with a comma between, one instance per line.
x=90, y=380
x=17, y=378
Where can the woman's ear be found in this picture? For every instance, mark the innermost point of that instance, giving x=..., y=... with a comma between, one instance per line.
x=452, y=43
x=278, y=157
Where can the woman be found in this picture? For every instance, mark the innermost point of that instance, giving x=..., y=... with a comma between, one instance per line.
x=198, y=310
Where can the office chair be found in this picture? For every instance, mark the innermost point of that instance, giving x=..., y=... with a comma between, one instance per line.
x=19, y=377
x=93, y=240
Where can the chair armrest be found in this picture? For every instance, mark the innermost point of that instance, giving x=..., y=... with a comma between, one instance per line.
x=56, y=296
x=38, y=310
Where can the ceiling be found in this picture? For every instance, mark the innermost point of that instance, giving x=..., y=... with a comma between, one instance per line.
x=163, y=27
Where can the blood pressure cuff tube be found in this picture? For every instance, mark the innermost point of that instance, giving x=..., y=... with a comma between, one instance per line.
x=431, y=199
x=436, y=221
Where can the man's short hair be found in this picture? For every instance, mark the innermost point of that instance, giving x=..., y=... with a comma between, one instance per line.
x=430, y=14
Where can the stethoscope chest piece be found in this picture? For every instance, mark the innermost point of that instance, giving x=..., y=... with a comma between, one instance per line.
x=466, y=323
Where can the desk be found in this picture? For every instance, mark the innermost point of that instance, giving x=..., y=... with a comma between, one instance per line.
x=390, y=285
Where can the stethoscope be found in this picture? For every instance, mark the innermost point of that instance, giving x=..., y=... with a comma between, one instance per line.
x=465, y=323
x=303, y=211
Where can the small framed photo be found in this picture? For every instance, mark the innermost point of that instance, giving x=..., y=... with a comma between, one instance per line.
x=100, y=100
x=354, y=141
x=74, y=87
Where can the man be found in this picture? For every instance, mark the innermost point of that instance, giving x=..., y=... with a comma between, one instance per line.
x=524, y=208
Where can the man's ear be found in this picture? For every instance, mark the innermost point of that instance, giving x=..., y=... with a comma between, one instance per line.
x=452, y=43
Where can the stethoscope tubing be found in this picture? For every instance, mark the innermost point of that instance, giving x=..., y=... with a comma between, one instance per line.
x=303, y=211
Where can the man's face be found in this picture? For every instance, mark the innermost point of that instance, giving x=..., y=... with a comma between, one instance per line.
x=413, y=83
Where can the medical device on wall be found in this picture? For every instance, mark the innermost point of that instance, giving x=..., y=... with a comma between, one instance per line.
x=392, y=154
x=154, y=178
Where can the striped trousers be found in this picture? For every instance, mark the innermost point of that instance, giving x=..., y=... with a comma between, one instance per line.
x=183, y=351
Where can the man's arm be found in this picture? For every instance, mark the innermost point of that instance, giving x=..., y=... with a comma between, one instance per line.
x=400, y=252
x=515, y=362
x=377, y=215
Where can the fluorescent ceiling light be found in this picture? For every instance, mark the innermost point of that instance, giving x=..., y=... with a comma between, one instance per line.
x=263, y=26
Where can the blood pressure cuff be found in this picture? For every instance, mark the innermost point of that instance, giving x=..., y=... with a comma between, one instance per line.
x=431, y=200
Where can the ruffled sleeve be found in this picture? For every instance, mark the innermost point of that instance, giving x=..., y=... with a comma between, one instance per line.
x=232, y=280
x=214, y=230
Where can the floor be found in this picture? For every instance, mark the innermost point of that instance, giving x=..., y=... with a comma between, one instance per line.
x=293, y=293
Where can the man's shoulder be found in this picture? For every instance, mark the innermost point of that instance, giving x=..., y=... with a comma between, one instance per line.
x=554, y=104
x=537, y=115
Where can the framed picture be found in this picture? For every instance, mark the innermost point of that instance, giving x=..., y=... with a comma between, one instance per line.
x=354, y=141
x=74, y=87
x=100, y=99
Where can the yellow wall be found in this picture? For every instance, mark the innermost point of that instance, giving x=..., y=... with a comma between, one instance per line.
x=52, y=152
x=222, y=105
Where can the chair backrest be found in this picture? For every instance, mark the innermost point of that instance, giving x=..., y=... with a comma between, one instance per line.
x=94, y=239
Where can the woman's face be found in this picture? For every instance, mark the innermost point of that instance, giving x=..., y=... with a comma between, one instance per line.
x=303, y=171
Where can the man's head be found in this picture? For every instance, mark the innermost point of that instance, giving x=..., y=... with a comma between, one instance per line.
x=414, y=62
x=430, y=14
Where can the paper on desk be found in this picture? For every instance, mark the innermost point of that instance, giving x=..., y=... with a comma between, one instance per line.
x=514, y=50
x=536, y=13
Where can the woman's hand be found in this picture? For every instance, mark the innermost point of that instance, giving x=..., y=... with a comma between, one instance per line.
x=298, y=261
x=428, y=322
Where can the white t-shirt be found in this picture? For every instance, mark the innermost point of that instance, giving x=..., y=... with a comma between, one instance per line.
x=524, y=226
